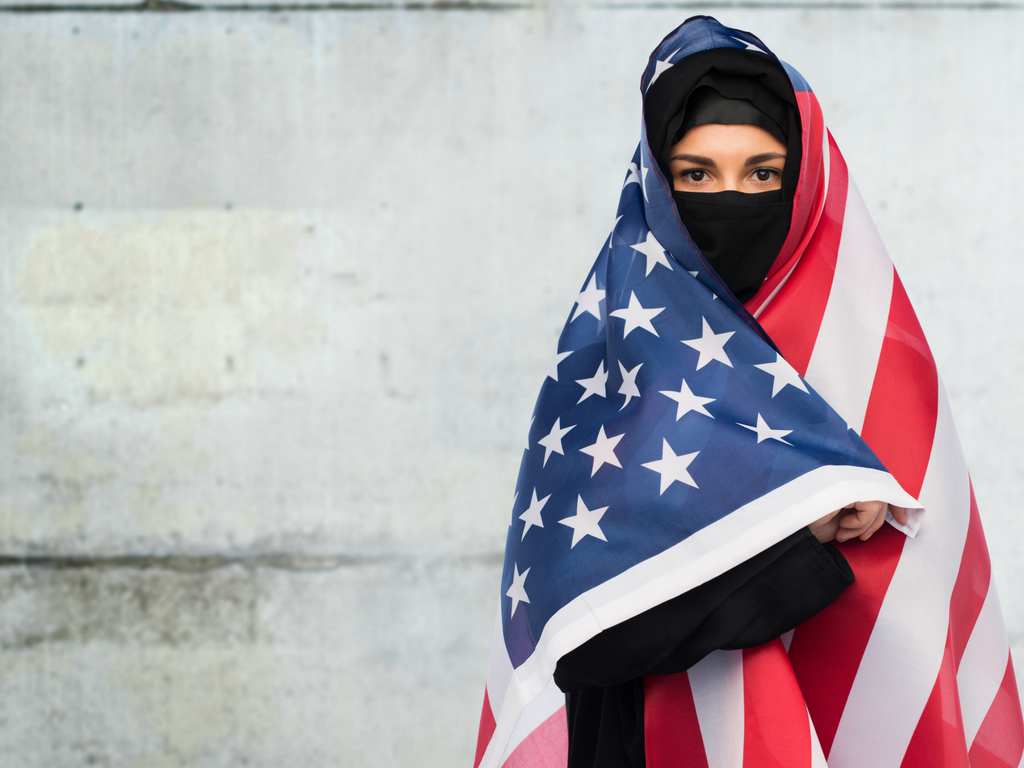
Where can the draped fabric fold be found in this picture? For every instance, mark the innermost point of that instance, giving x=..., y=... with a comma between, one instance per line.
x=679, y=432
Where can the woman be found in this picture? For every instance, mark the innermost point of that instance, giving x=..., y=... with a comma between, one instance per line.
x=704, y=481
x=726, y=159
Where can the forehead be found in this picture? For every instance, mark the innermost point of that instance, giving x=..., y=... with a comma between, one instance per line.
x=742, y=139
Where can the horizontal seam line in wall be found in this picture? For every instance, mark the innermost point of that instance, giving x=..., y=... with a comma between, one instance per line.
x=169, y=6
x=781, y=5
x=272, y=560
x=172, y=6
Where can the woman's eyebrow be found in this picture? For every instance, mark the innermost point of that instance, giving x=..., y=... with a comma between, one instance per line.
x=765, y=157
x=696, y=159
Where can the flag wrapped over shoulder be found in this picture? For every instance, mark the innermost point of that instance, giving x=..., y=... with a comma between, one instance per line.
x=678, y=433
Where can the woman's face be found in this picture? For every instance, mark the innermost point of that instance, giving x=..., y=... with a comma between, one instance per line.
x=717, y=158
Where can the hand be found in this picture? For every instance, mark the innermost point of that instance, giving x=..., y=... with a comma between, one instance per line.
x=866, y=517
x=826, y=528
x=858, y=520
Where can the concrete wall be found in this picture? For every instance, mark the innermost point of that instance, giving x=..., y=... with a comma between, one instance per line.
x=277, y=290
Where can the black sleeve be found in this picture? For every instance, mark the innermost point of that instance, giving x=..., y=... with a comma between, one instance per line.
x=753, y=603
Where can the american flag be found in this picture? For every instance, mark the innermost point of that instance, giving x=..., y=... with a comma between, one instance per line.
x=678, y=433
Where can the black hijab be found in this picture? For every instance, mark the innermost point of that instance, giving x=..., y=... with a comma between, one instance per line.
x=739, y=234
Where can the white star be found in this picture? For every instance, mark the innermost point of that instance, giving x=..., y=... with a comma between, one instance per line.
x=532, y=514
x=585, y=522
x=643, y=175
x=661, y=65
x=750, y=46
x=628, y=386
x=633, y=175
x=595, y=385
x=672, y=468
x=636, y=316
x=603, y=450
x=711, y=346
x=654, y=252
x=764, y=432
x=553, y=440
x=532, y=419
x=688, y=401
x=556, y=359
x=518, y=591
x=589, y=300
x=782, y=374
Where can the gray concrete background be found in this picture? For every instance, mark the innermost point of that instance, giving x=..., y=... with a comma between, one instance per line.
x=277, y=291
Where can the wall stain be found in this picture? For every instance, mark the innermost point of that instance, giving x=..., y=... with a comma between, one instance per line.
x=157, y=303
x=263, y=560
x=140, y=602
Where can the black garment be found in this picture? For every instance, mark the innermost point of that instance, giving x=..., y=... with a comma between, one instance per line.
x=739, y=233
x=749, y=605
x=707, y=104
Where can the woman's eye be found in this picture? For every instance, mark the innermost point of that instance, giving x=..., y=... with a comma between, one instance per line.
x=694, y=175
x=765, y=174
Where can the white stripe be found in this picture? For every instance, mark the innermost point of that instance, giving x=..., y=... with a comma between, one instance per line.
x=499, y=671
x=817, y=755
x=757, y=312
x=842, y=365
x=534, y=715
x=983, y=665
x=499, y=674
x=717, y=686
x=909, y=636
x=826, y=161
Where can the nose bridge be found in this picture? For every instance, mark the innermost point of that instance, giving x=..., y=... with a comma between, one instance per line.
x=732, y=181
x=731, y=168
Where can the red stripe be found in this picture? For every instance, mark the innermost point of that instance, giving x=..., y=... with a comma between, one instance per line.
x=900, y=421
x=486, y=730
x=794, y=330
x=672, y=737
x=827, y=649
x=1000, y=740
x=777, y=733
x=547, y=746
x=938, y=740
x=971, y=586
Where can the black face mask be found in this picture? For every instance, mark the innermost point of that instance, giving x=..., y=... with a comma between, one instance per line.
x=739, y=233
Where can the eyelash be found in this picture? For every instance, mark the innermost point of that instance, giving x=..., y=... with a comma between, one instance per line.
x=775, y=172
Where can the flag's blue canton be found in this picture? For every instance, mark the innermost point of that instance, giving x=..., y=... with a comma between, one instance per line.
x=664, y=410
